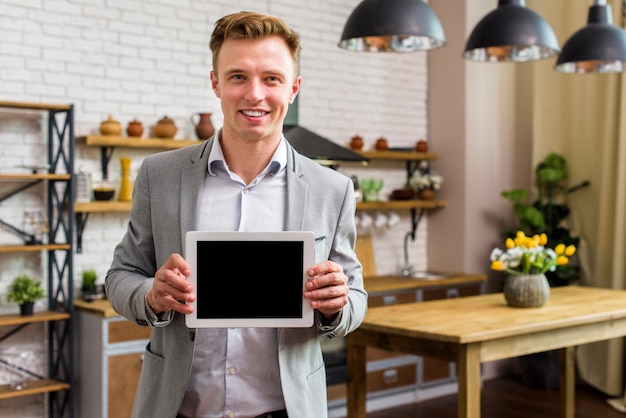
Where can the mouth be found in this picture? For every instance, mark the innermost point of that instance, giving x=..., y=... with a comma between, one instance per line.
x=254, y=113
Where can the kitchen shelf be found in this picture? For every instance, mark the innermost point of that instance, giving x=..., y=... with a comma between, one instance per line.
x=33, y=247
x=29, y=177
x=35, y=317
x=129, y=142
x=58, y=184
x=104, y=206
x=107, y=144
x=402, y=204
x=33, y=387
x=398, y=155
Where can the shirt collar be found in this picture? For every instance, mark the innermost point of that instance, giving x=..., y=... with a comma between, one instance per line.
x=277, y=163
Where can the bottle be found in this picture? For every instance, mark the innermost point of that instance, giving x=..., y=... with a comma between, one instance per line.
x=126, y=186
x=83, y=186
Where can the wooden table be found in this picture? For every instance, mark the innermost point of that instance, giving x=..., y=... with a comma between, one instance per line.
x=476, y=329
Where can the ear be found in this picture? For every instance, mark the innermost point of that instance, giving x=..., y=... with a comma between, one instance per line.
x=215, y=84
x=295, y=88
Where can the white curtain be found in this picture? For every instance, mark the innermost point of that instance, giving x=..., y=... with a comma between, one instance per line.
x=582, y=117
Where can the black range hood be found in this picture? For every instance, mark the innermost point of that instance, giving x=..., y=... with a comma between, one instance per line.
x=318, y=148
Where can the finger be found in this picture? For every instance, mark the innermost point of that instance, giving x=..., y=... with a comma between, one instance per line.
x=324, y=267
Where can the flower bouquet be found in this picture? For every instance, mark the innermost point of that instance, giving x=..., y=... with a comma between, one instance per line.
x=529, y=255
x=426, y=183
x=526, y=260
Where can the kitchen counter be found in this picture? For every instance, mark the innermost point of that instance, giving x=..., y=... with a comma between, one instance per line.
x=99, y=306
x=380, y=284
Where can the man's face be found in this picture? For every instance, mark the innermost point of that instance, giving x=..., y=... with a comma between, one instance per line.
x=256, y=83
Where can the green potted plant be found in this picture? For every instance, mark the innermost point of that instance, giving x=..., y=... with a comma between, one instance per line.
x=547, y=213
x=88, y=286
x=25, y=290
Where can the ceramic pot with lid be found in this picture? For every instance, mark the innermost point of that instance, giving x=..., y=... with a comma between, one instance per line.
x=135, y=128
x=165, y=128
x=381, y=144
x=356, y=142
x=110, y=127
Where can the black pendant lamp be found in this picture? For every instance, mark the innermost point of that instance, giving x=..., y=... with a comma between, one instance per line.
x=512, y=32
x=599, y=47
x=392, y=26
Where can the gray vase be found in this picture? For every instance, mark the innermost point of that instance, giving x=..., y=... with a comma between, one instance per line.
x=530, y=291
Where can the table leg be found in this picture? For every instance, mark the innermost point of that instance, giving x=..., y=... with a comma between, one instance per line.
x=357, y=384
x=567, y=382
x=469, y=381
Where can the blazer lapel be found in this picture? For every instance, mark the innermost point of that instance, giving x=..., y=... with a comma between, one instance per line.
x=191, y=182
x=297, y=191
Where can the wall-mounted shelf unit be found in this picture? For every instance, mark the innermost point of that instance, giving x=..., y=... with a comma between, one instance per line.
x=58, y=183
x=411, y=159
x=107, y=144
x=416, y=206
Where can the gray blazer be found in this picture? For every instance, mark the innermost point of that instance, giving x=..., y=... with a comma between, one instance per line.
x=164, y=209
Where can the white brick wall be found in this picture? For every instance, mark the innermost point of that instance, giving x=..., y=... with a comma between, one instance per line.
x=146, y=59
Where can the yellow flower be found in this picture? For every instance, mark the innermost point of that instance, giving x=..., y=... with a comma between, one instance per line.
x=562, y=260
x=560, y=249
x=570, y=250
x=497, y=265
x=510, y=243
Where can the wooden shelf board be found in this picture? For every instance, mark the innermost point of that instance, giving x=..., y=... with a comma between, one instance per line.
x=38, y=247
x=128, y=142
x=33, y=387
x=110, y=206
x=43, y=316
x=29, y=177
x=402, y=204
x=397, y=155
x=34, y=106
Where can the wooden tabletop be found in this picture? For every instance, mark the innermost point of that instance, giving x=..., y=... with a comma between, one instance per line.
x=487, y=317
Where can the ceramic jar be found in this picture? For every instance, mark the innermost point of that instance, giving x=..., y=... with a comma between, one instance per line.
x=204, y=126
x=356, y=142
x=165, y=128
x=381, y=144
x=421, y=146
x=135, y=128
x=110, y=127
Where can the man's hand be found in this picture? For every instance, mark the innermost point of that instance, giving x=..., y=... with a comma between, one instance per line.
x=327, y=288
x=170, y=288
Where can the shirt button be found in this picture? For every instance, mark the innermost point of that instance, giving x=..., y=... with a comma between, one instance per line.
x=231, y=415
x=231, y=370
x=245, y=191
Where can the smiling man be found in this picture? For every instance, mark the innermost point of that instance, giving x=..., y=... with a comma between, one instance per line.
x=247, y=177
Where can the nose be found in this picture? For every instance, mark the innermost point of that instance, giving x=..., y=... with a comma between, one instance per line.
x=255, y=91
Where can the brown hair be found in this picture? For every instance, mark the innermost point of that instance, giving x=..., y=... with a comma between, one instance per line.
x=249, y=25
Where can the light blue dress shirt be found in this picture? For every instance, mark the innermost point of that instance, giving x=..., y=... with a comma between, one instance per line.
x=235, y=370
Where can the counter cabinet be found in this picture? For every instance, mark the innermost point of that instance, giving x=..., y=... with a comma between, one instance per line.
x=109, y=357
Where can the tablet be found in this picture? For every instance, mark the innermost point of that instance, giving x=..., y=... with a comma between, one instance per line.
x=249, y=279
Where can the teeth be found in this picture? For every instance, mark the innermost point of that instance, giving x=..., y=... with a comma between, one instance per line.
x=253, y=113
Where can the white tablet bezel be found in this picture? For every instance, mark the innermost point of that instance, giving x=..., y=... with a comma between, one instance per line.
x=308, y=256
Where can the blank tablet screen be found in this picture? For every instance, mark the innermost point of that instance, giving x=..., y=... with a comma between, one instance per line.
x=249, y=279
